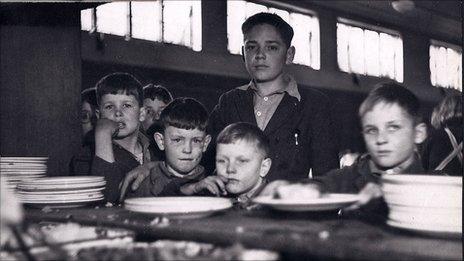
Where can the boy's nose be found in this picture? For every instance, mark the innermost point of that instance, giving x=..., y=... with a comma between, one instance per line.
x=260, y=54
x=118, y=113
x=381, y=137
x=187, y=147
x=231, y=168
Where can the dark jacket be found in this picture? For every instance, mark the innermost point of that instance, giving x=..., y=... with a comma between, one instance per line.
x=439, y=146
x=300, y=132
x=163, y=183
x=115, y=172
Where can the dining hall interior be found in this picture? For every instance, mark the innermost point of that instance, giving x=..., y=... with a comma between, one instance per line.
x=51, y=52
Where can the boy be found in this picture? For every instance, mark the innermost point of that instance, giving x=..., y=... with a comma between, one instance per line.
x=156, y=97
x=242, y=162
x=119, y=146
x=295, y=120
x=183, y=138
x=392, y=128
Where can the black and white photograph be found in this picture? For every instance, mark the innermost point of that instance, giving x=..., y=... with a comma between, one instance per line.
x=231, y=130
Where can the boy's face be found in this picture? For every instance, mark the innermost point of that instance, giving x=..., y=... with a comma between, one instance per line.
x=183, y=148
x=123, y=109
x=242, y=164
x=153, y=109
x=391, y=136
x=265, y=53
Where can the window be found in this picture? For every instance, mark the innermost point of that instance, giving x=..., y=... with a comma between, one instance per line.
x=177, y=22
x=445, y=65
x=369, y=52
x=305, y=26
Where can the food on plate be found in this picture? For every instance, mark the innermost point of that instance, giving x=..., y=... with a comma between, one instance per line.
x=298, y=191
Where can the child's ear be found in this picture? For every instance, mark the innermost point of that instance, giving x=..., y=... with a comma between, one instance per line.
x=265, y=167
x=206, y=142
x=97, y=113
x=420, y=133
x=159, y=139
x=290, y=55
x=243, y=53
x=143, y=114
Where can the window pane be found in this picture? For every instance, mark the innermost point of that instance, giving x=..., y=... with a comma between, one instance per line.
x=86, y=19
x=342, y=47
x=146, y=20
x=371, y=44
x=445, y=67
x=235, y=18
x=113, y=18
x=356, y=50
x=182, y=23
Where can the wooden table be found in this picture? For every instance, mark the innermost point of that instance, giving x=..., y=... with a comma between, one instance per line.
x=294, y=235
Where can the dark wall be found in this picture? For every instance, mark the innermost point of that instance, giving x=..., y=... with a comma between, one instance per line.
x=40, y=85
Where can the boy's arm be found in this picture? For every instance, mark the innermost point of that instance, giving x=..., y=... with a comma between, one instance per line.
x=105, y=129
x=135, y=177
x=214, y=184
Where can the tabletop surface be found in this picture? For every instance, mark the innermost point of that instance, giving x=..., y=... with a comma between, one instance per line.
x=323, y=235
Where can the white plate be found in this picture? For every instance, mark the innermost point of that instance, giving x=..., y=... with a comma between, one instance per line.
x=180, y=207
x=60, y=187
x=68, y=201
x=71, y=197
x=425, y=228
x=327, y=202
x=422, y=179
x=66, y=180
x=51, y=192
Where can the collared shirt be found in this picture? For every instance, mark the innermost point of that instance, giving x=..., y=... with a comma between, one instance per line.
x=245, y=200
x=265, y=106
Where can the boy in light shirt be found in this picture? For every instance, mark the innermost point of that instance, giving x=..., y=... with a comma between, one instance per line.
x=242, y=163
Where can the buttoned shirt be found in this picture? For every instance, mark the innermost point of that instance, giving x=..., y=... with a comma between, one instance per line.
x=265, y=106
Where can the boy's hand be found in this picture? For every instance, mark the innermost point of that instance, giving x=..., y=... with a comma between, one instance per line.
x=215, y=184
x=135, y=177
x=369, y=192
x=106, y=127
x=271, y=188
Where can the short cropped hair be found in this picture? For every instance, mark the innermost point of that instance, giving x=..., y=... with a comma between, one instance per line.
x=119, y=83
x=448, y=110
x=392, y=93
x=184, y=113
x=284, y=29
x=159, y=92
x=246, y=132
x=89, y=95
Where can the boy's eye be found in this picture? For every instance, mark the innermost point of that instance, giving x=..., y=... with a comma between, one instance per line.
x=176, y=140
x=197, y=140
x=250, y=47
x=127, y=105
x=108, y=107
x=220, y=161
x=243, y=160
x=370, y=131
x=393, y=128
x=272, y=48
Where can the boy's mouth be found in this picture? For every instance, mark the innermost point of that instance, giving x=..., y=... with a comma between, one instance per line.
x=121, y=125
x=383, y=153
x=261, y=67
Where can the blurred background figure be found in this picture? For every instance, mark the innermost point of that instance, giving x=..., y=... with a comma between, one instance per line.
x=88, y=116
x=443, y=151
x=11, y=212
x=155, y=99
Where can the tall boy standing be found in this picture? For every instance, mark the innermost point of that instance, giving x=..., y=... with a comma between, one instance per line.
x=119, y=146
x=295, y=120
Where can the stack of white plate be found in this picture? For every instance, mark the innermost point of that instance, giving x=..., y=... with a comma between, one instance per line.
x=17, y=169
x=179, y=207
x=424, y=203
x=61, y=191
